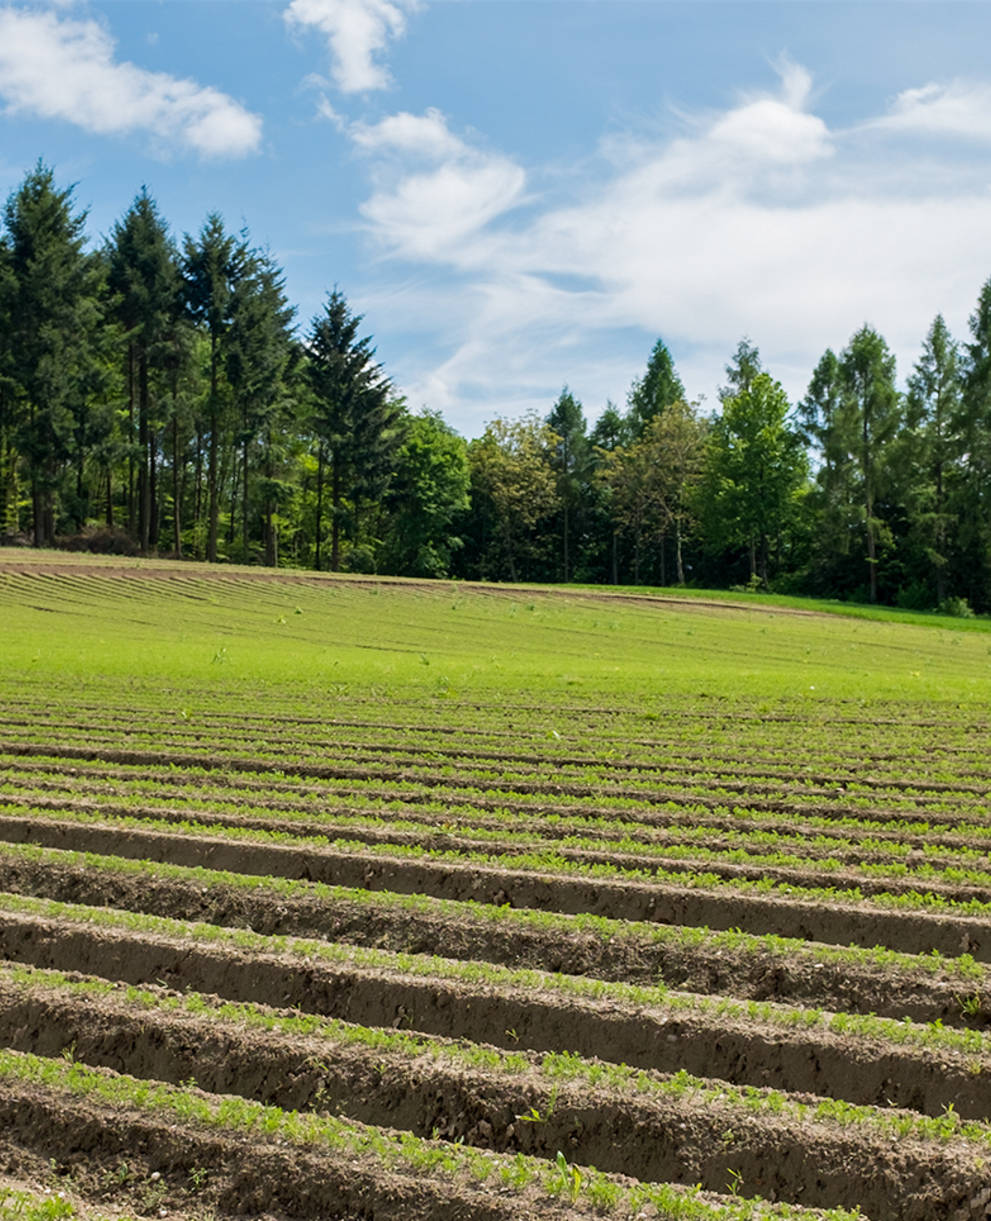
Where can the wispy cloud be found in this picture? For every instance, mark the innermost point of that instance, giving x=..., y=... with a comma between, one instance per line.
x=756, y=220
x=357, y=32
x=57, y=67
x=959, y=108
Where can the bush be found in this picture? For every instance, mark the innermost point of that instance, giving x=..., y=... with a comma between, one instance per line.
x=102, y=540
x=959, y=608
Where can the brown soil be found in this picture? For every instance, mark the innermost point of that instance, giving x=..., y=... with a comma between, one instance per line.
x=832, y=1166
x=742, y=1050
x=436, y=832
x=854, y=923
x=240, y=1176
x=801, y=979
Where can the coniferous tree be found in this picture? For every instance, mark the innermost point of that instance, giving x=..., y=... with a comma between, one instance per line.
x=54, y=315
x=871, y=419
x=259, y=355
x=569, y=459
x=974, y=492
x=742, y=370
x=355, y=417
x=933, y=447
x=212, y=265
x=659, y=387
x=143, y=278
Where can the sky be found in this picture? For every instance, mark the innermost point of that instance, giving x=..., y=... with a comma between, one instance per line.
x=519, y=195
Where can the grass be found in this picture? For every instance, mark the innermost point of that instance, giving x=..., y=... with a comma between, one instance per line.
x=197, y=630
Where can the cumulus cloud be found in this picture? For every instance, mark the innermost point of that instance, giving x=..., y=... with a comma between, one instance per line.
x=357, y=32
x=61, y=68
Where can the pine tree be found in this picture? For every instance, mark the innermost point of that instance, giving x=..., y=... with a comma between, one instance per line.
x=659, y=387
x=871, y=418
x=934, y=445
x=569, y=459
x=355, y=417
x=54, y=315
x=212, y=265
x=259, y=353
x=144, y=279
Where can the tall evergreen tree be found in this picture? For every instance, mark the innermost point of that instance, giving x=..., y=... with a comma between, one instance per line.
x=212, y=265
x=355, y=417
x=259, y=352
x=569, y=459
x=933, y=445
x=871, y=419
x=143, y=278
x=974, y=494
x=55, y=312
x=742, y=369
x=659, y=387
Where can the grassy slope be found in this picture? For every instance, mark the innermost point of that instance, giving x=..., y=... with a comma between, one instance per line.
x=446, y=640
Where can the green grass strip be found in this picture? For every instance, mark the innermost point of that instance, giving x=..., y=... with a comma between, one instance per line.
x=19, y=1205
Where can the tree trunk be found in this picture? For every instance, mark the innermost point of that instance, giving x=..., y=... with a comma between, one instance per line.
x=130, y=438
x=335, y=521
x=244, y=502
x=213, y=491
x=153, y=506
x=566, y=565
x=319, y=531
x=176, y=488
x=144, y=486
x=110, y=498
x=679, y=559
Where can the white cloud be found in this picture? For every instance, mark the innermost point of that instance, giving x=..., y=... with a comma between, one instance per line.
x=425, y=135
x=59, y=68
x=357, y=31
x=960, y=108
x=757, y=221
x=434, y=192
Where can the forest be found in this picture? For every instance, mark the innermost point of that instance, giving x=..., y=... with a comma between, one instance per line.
x=159, y=396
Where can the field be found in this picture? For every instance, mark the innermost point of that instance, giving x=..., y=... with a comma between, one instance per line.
x=342, y=898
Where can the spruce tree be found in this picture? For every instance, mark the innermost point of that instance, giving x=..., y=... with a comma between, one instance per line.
x=54, y=315
x=143, y=278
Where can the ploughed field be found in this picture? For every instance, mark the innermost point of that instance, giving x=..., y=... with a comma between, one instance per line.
x=324, y=897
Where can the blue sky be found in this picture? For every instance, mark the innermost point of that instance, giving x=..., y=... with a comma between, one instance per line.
x=519, y=194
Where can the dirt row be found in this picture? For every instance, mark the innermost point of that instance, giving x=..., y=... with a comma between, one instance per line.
x=666, y=1038
x=648, y=822
x=816, y=1162
x=442, y=833
x=446, y=790
x=812, y=918
x=809, y=976
x=147, y=1162
x=413, y=767
x=723, y=773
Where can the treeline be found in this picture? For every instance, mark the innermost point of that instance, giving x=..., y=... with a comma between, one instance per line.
x=157, y=397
